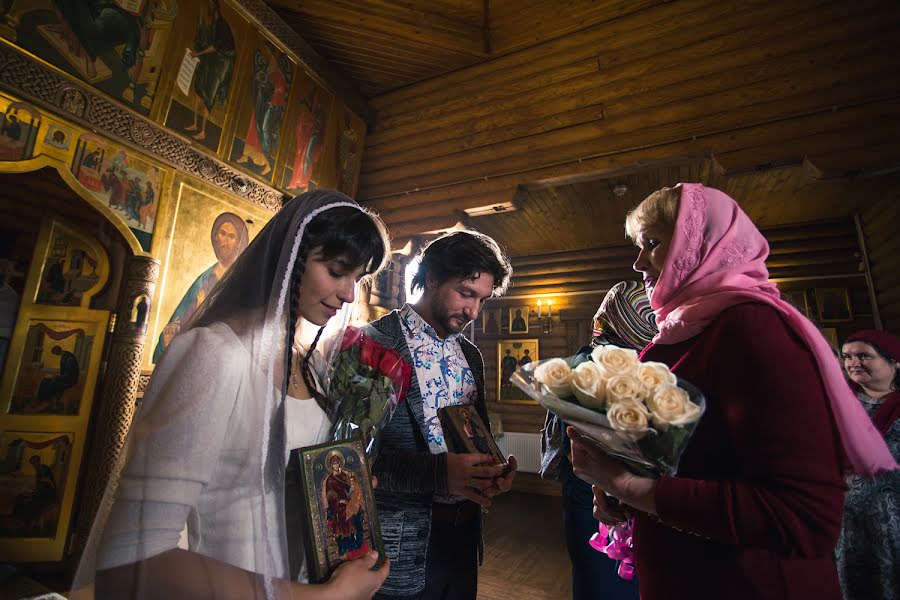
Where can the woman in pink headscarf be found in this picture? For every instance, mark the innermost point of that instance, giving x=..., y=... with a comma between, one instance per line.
x=755, y=509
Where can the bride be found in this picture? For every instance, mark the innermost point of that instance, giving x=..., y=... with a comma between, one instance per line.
x=198, y=510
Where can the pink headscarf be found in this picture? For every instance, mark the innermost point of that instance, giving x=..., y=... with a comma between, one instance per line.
x=717, y=260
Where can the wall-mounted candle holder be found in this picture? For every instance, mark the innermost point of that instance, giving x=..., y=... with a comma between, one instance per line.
x=545, y=317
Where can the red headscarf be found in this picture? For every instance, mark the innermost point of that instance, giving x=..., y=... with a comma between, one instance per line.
x=716, y=260
x=888, y=343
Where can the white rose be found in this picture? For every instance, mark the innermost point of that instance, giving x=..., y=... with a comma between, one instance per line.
x=671, y=405
x=629, y=417
x=624, y=388
x=654, y=374
x=556, y=374
x=589, y=384
x=615, y=360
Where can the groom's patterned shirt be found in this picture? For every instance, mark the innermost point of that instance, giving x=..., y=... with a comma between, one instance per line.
x=444, y=376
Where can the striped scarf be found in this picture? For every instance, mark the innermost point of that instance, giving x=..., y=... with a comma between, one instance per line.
x=625, y=317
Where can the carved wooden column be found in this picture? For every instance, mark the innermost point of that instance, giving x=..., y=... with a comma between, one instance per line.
x=116, y=401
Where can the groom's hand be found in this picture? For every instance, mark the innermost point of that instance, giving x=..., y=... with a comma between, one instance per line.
x=468, y=475
x=503, y=483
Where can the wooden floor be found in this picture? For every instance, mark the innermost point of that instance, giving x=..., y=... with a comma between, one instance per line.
x=525, y=554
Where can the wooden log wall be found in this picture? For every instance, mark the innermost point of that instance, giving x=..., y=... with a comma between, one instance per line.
x=806, y=257
x=751, y=83
x=879, y=225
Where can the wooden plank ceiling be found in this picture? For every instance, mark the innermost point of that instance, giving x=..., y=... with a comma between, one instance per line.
x=591, y=214
x=483, y=102
x=383, y=45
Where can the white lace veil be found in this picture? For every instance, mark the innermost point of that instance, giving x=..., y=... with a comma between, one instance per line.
x=252, y=300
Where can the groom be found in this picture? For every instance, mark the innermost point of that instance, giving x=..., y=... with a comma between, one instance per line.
x=429, y=500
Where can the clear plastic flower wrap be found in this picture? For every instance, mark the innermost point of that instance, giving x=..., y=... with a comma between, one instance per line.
x=366, y=384
x=640, y=413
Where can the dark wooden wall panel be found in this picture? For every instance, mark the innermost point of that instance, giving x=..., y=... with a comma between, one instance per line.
x=879, y=225
x=751, y=84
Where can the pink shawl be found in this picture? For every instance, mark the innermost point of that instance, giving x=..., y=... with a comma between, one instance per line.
x=717, y=260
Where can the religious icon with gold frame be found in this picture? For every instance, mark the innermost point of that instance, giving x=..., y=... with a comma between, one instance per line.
x=47, y=389
x=518, y=319
x=465, y=432
x=490, y=321
x=342, y=522
x=512, y=354
x=35, y=484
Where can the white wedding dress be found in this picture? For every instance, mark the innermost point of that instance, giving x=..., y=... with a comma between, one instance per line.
x=189, y=478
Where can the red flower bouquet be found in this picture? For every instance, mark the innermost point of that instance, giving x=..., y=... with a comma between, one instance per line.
x=367, y=384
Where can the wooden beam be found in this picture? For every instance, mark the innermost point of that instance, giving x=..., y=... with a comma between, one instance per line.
x=792, y=140
x=409, y=229
x=829, y=229
x=816, y=257
x=880, y=157
x=597, y=285
x=583, y=275
x=446, y=208
x=842, y=244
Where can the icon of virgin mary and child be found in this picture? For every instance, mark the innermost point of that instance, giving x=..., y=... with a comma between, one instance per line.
x=345, y=515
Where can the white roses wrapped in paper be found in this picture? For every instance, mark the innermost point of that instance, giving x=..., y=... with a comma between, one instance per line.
x=639, y=412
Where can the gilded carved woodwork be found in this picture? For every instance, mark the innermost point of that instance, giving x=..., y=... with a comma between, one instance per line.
x=47, y=389
x=31, y=79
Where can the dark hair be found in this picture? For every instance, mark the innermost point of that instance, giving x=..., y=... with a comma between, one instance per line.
x=343, y=231
x=463, y=254
x=895, y=383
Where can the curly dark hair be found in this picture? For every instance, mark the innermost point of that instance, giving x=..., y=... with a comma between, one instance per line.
x=463, y=254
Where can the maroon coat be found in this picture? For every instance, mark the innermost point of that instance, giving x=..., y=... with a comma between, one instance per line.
x=756, y=507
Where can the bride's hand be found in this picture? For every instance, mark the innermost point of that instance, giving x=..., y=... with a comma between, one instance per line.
x=354, y=579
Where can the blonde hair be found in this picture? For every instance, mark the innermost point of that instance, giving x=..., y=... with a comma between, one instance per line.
x=659, y=208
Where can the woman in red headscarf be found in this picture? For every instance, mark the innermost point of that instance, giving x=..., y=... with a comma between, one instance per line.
x=868, y=550
x=755, y=509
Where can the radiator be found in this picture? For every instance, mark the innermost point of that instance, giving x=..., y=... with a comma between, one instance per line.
x=526, y=447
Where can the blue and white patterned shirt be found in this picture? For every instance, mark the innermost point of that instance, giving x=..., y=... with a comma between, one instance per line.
x=442, y=370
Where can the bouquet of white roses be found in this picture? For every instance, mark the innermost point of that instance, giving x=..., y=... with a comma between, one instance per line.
x=638, y=412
